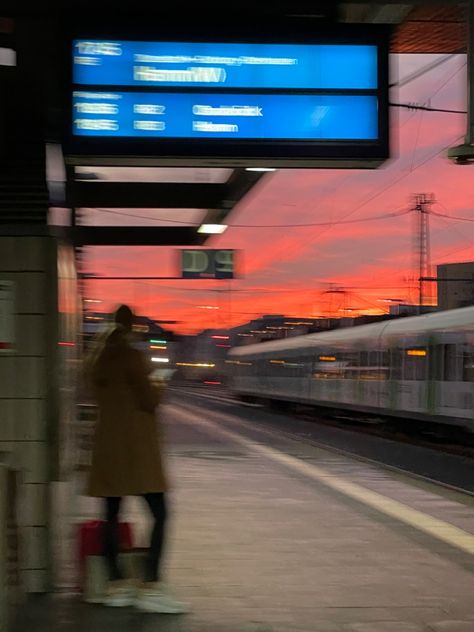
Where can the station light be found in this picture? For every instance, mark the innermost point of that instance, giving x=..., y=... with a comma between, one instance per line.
x=421, y=353
x=140, y=328
x=239, y=362
x=163, y=360
x=389, y=300
x=163, y=347
x=212, y=229
x=300, y=322
x=327, y=358
x=196, y=364
x=262, y=169
x=158, y=342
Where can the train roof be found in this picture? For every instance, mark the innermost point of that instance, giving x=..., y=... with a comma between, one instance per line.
x=412, y=325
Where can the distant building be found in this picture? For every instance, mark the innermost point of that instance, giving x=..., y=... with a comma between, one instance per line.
x=455, y=285
x=403, y=309
x=408, y=309
x=275, y=326
x=202, y=357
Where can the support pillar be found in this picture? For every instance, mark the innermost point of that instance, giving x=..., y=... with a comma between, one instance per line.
x=464, y=154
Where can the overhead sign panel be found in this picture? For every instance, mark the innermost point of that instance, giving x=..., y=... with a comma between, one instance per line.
x=316, y=100
x=225, y=65
x=207, y=264
x=205, y=115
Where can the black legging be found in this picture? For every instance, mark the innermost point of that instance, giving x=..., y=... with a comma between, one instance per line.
x=156, y=503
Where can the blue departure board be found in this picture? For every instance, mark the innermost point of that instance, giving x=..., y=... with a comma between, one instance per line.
x=238, y=116
x=227, y=65
x=279, y=101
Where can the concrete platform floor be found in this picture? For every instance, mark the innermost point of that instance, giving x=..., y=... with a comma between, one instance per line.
x=271, y=535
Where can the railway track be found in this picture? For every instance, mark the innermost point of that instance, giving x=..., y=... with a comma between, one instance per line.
x=443, y=437
x=428, y=458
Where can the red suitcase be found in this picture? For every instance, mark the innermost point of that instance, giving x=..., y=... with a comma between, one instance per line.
x=91, y=541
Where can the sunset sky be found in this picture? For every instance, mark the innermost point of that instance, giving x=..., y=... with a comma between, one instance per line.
x=290, y=270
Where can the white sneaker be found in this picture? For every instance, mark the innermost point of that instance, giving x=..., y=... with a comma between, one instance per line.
x=120, y=594
x=154, y=597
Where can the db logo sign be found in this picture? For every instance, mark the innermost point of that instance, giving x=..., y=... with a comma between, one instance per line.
x=207, y=264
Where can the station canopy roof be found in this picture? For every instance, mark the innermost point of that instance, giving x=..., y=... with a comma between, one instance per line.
x=419, y=26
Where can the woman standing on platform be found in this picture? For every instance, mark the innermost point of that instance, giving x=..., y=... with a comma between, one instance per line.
x=127, y=460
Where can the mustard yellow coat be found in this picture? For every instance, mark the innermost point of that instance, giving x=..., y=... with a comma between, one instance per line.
x=126, y=459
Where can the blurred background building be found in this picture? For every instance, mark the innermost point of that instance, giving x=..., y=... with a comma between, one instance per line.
x=455, y=285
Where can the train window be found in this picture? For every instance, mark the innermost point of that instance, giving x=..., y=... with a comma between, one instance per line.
x=325, y=372
x=307, y=365
x=285, y=367
x=468, y=364
x=377, y=368
x=328, y=366
x=261, y=367
x=350, y=362
x=453, y=361
x=373, y=365
x=396, y=364
x=436, y=362
x=415, y=364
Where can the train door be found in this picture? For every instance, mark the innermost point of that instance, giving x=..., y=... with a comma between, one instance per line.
x=414, y=377
x=435, y=376
x=395, y=378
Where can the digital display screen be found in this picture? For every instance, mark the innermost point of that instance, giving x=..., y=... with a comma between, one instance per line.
x=232, y=101
x=238, y=116
x=226, y=65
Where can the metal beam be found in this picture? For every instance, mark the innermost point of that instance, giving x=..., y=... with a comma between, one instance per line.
x=381, y=12
x=137, y=236
x=239, y=184
x=444, y=280
x=138, y=278
x=236, y=187
x=96, y=194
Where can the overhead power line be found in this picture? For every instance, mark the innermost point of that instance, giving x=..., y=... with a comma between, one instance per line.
x=425, y=108
x=453, y=217
x=333, y=223
x=398, y=213
x=421, y=71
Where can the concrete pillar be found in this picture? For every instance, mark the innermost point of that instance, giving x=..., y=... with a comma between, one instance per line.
x=35, y=388
x=3, y=549
x=29, y=393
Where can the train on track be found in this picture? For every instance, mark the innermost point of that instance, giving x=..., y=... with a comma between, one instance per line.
x=419, y=367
